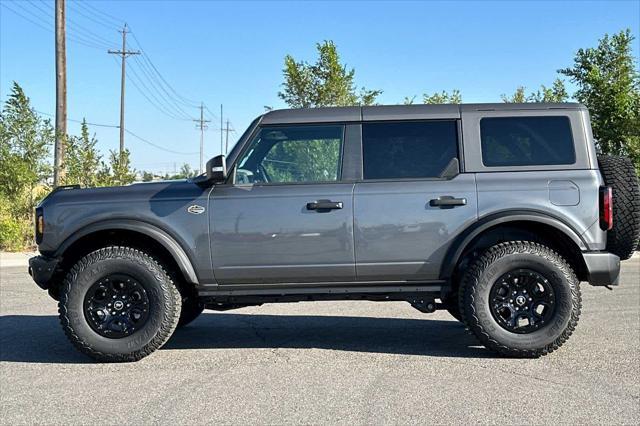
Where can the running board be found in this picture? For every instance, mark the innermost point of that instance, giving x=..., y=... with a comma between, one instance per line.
x=434, y=287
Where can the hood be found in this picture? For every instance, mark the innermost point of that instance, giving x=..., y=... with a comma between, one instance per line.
x=147, y=191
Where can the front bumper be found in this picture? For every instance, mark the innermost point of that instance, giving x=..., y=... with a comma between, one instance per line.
x=602, y=268
x=41, y=269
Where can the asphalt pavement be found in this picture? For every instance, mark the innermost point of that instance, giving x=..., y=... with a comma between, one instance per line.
x=320, y=363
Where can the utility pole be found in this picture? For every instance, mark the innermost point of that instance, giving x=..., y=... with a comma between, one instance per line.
x=123, y=55
x=221, y=130
x=202, y=126
x=61, y=94
x=226, y=141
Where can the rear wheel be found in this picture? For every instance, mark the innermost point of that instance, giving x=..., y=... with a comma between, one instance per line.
x=453, y=307
x=118, y=304
x=619, y=173
x=521, y=299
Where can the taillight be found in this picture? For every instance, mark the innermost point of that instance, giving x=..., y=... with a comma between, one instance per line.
x=606, y=208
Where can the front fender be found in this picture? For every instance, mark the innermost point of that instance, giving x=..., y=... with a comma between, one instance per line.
x=169, y=242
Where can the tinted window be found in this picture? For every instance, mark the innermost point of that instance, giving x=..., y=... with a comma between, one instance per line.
x=292, y=154
x=408, y=150
x=526, y=141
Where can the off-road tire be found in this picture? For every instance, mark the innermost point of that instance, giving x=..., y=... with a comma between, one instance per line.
x=500, y=259
x=619, y=173
x=164, y=304
x=453, y=307
x=191, y=309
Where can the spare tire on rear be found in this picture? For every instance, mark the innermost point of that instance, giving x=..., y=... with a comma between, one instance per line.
x=619, y=173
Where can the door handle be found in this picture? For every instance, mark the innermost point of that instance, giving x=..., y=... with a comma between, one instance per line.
x=324, y=205
x=447, y=202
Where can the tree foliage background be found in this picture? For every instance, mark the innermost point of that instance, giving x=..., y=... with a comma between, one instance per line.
x=26, y=143
x=609, y=85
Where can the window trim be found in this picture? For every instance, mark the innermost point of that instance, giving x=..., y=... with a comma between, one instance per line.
x=571, y=132
x=232, y=176
x=459, y=150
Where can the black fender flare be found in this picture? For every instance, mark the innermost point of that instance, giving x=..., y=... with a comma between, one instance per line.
x=148, y=229
x=462, y=241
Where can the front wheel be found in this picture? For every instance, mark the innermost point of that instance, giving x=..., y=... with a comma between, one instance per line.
x=191, y=309
x=117, y=304
x=521, y=299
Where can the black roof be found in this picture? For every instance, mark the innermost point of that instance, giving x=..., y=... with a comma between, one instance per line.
x=399, y=112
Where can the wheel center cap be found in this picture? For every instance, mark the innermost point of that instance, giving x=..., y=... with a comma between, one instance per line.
x=521, y=300
x=118, y=305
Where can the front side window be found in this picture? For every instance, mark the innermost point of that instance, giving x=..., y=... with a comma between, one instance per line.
x=408, y=150
x=292, y=154
x=526, y=141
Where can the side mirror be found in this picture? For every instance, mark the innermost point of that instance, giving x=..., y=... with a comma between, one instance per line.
x=217, y=169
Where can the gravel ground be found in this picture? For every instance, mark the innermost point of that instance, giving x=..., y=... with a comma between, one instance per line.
x=322, y=362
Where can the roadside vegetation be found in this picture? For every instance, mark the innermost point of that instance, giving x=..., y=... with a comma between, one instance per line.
x=605, y=76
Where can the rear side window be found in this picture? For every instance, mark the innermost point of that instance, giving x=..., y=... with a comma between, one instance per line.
x=526, y=141
x=409, y=149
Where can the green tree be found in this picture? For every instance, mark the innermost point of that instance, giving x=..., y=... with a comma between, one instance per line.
x=25, y=140
x=147, y=176
x=609, y=85
x=556, y=93
x=82, y=159
x=443, y=97
x=186, y=172
x=327, y=82
x=517, y=97
x=409, y=100
x=120, y=166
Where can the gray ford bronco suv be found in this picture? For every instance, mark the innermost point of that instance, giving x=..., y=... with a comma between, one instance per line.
x=494, y=212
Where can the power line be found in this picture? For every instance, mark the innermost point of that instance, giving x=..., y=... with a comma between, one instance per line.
x=88, y=16
x=157, y=146
x=71, y=25
x=126, y=130
x=149, y=68
x=38, y=21
x=79, y=121
x=97, y=12
x=137, y=82
x=211, y=112
x=153, y=81
x=185, y=100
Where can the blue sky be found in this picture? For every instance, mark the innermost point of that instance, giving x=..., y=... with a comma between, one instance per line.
x=232, y=53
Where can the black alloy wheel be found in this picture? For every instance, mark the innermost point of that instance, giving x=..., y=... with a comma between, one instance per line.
x=116, y=306
x=522, y=301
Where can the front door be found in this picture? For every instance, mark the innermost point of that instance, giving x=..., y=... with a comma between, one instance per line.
x=288, y=217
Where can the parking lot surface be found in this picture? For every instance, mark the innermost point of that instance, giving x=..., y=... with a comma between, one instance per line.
x=322, y=362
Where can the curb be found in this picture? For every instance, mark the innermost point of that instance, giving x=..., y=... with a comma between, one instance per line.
x=8, y=260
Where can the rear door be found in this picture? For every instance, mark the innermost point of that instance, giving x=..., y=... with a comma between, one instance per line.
x=412, y=200
x=288, y=217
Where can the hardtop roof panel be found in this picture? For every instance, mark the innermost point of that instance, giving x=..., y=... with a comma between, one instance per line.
x=399, y=112
x=410, y=112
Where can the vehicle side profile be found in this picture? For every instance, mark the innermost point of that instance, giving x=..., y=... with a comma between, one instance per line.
x=495, y=212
